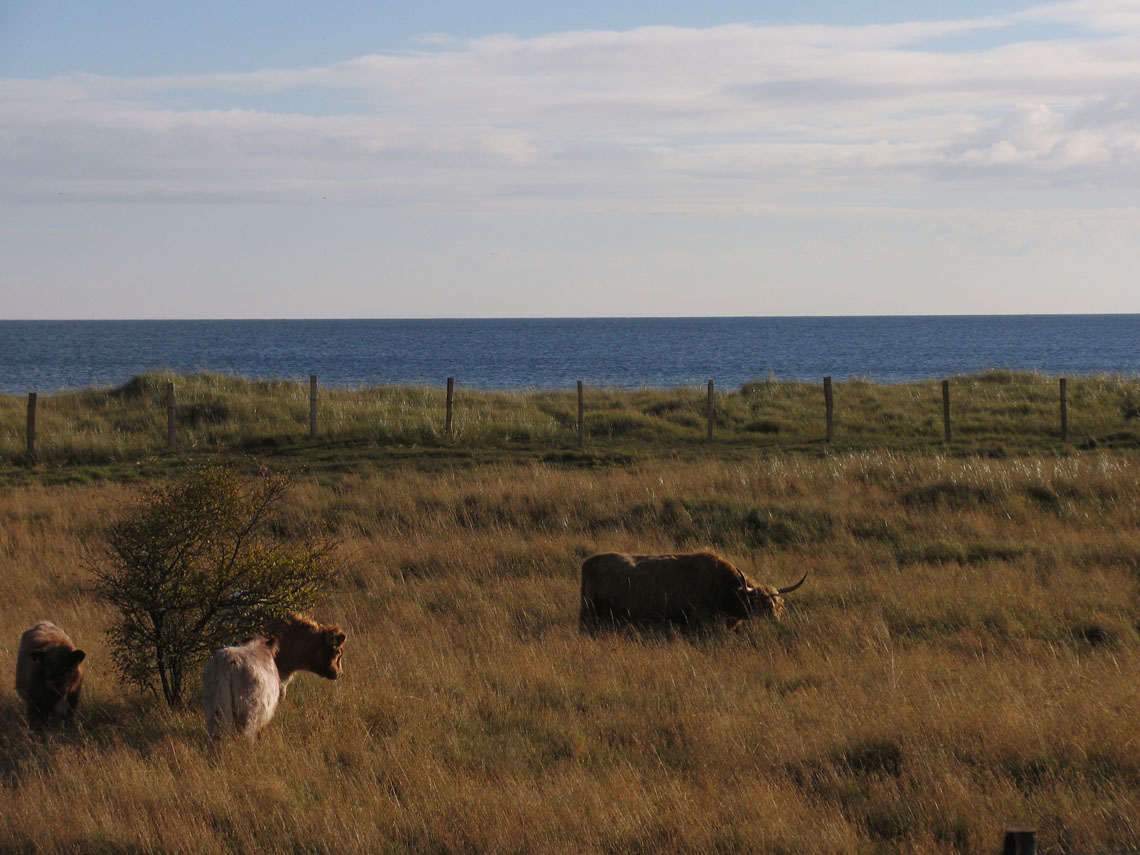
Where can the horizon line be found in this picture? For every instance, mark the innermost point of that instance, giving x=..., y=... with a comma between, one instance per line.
x=574, y=317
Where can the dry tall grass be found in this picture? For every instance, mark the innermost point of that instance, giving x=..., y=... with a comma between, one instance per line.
x=962, y=657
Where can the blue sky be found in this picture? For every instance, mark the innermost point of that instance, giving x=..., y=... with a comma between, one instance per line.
x=145, y=37
x=442, y=159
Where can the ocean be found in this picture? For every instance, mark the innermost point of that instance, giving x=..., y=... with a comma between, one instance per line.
x=48, y=356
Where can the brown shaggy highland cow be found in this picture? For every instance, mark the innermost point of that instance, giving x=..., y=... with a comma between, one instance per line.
x=692, y=589
x=48, y=674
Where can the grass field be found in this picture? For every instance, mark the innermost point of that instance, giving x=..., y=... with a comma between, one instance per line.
x=991, y=413
x=962, y=658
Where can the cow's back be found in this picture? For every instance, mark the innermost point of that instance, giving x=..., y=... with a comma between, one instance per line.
x=689, y=588
x=240, y=689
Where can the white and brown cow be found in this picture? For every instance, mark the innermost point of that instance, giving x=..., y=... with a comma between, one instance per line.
x=243, y=683
x=48, y=674
x=688, y=589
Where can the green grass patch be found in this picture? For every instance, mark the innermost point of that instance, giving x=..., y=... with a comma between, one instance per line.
x=995, y=414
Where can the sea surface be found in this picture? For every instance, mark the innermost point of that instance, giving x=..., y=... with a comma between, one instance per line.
x=47, y=356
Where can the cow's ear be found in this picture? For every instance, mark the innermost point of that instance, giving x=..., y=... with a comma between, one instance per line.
x=338, y=639
x=77, y=656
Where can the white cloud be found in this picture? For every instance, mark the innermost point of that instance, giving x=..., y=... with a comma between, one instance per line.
x=1111, y=16
x=657, y=118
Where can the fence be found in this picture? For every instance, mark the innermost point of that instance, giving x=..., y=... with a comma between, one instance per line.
x=710, y=414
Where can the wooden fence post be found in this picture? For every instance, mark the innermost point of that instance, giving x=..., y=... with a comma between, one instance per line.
x=581, y=416
x=450, y=402
x=1020, y=841
x=32, y=427
x=1064, y=412
x=946, y=409
x=712, y=409
x=171, y=434
x=829, y=407
x=312, y=406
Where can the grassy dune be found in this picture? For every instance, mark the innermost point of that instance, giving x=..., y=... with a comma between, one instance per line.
x=962, y=658
x=991, y=412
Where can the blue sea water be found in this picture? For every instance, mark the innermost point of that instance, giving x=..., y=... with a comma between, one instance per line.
x=47, y=356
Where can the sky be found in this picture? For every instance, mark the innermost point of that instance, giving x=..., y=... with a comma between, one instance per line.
x=596, y=159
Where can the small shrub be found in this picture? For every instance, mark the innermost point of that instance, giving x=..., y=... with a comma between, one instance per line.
x=192, y=566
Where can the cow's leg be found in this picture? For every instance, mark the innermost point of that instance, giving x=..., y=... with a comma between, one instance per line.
x=37, y=719
x=588, y=616
x=72, y=703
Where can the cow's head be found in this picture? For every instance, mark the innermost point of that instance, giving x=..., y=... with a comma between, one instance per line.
x=766, y=600
x=313, y=647
x=59, y=666
x=329, y=651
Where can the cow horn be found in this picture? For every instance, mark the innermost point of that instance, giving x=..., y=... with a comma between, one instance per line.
x=791, y=588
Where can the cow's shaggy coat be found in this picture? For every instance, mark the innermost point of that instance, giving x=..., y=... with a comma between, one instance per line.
x=690, y=589
x=242, y=684
x=48, y=674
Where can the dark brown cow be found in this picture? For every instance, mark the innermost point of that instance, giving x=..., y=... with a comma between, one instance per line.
x=48, y=674
x=243, y=683
x=691, y=589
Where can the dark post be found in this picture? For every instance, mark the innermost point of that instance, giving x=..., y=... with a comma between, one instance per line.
x=581, y=416
x=946, y=408
x=171, y=436
x=32, y=427
x=1064, y=413
x=829, y=406
x=712, y=409
x=312, y=406
x=1020, y=841
x=450, y=401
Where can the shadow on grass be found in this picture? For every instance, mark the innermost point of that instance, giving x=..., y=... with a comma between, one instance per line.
x=137, y=723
